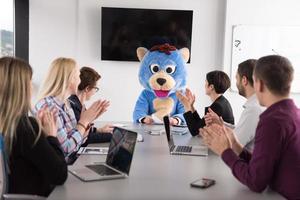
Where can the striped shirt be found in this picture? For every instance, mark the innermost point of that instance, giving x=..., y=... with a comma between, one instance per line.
x=69, y=137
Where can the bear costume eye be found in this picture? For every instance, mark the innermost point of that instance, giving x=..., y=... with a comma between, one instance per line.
x=154, y=68
x=170, y=69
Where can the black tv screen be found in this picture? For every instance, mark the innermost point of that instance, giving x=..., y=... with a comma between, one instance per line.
x=126, y=29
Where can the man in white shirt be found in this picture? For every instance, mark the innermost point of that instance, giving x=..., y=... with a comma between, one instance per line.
x=246, y=126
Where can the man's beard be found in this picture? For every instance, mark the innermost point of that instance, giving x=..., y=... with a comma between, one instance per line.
x=241, y=90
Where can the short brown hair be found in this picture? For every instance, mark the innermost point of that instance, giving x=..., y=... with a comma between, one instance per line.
x=276, y=72
x=246, y=69
x=88, y=77
x=164, y=48
x=219, y=80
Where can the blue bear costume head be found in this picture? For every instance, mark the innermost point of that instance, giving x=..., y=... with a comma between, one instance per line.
x=162, y=73
x=162, y=69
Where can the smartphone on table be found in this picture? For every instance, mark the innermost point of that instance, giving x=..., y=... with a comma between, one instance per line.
x=203, y=183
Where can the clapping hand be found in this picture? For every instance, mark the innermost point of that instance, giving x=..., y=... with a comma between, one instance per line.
x=212, y=118
x=187, y=100
x=216, y=137
x=94, y=111
x=48, y=119
x=103, y=105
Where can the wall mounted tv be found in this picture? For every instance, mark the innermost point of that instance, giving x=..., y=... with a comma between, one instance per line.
x=125, y=29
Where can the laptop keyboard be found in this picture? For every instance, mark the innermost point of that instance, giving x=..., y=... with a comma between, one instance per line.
x=102, y=170
x=185, y=149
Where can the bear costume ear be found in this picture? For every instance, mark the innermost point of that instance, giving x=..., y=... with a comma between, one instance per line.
x=185, y=53
x=140, y=52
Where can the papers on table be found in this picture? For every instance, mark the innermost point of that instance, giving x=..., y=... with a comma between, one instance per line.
x=93, y=150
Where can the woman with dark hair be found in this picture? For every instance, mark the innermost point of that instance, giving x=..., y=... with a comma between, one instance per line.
x=216, y=84
x=86, y=89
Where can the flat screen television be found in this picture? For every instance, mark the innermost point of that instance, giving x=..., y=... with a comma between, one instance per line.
x=123, y=30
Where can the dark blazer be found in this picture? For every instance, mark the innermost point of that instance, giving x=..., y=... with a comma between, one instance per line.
x=35, y=168
x=221, y=106
x=94, y=136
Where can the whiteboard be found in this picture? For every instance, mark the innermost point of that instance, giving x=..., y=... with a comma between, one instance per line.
x=255, y=41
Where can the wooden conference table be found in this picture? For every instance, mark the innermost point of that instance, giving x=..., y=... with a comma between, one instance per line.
x=155, y=174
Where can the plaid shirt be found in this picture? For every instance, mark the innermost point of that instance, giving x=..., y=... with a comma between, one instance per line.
x=69, y=137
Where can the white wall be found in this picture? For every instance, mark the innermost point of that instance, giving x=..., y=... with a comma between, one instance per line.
x=52, y=33
x=73, y=28
x=257, y=12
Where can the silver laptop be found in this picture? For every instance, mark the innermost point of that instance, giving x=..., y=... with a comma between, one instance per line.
x=200, y=150
x=118, y=160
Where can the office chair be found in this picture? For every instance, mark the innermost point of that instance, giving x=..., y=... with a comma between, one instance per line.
x=4, y=179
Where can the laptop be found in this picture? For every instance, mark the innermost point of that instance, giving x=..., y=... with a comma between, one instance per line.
x=118, y=160
x=182, y=150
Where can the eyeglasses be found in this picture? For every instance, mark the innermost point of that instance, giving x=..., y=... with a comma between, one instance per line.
x=96, y=89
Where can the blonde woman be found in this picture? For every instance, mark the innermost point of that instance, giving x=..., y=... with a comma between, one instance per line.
x=61, y=82
x=36, y=162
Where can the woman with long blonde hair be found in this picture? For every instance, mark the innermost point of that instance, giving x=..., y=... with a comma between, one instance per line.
x=61, y=82
x=36, y=162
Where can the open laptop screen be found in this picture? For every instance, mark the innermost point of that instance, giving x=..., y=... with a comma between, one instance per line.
x=167, y=127
x=168, y=131
x=121, y=149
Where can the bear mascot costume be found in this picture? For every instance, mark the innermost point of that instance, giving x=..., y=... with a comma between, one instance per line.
x=162, y=73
